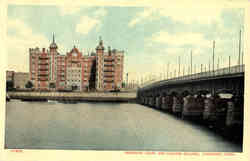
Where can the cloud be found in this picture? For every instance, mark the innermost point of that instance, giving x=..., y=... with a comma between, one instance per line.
x=69, y=10
x=184, y=15
x=20, y=28
x=191, y=15
x=179, y=39
x=87, y=23
x=18, y=44
x=147, y=13
x=100, y=13
x=174, y=50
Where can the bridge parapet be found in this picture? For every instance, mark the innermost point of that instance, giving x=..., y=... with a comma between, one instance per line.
x=238, y=69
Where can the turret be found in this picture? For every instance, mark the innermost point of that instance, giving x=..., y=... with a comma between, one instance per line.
x=100, y=47
x=53, y=44
x=109, y=51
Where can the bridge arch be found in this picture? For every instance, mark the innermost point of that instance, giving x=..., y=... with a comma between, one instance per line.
x=174, y=93
x=185, y=93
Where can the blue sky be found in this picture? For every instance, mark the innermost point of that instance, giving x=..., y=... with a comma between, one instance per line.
x=150, y=37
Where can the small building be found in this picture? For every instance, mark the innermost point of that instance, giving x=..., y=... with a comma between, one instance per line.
x=20, y=80
x=9, y=75
x=9, y=80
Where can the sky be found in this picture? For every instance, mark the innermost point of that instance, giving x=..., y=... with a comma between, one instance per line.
x=152, y=38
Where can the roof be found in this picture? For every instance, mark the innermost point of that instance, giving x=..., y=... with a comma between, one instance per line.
x=100, y=46
x=53, y=44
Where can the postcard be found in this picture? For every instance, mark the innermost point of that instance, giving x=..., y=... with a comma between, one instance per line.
x=124, y=80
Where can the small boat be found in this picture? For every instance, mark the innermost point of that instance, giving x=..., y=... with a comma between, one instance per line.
x=52, y=101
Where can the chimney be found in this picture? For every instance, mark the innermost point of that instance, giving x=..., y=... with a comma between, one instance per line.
x=109, y=50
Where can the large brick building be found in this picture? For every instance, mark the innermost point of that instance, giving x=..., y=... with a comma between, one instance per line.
x=101, y=71
x=109, y=68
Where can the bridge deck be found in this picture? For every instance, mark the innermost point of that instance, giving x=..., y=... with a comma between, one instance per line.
x=232, y=72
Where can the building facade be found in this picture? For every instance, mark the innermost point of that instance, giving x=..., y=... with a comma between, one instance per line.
x=17, y=80
x=10, y=76
x=109, y=68
x=61, y=72
x=39, y=68
x=20, y=80
x=98, y=71
x=74, y=70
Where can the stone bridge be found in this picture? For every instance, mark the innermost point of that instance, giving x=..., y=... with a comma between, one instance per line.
x=215, y=97
x=230, y=79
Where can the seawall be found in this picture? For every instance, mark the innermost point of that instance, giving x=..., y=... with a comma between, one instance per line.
x=69, y=97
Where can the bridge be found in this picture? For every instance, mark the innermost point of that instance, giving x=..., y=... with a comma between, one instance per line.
x=225, y=78
x=214, y=97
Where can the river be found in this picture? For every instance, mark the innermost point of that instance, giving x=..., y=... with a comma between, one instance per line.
x=105, y=126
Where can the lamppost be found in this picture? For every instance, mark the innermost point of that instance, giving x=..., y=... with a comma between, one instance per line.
x=127, y=80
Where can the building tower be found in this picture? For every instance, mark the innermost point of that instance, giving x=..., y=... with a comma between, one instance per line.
x=99, y=65
x=53, y=55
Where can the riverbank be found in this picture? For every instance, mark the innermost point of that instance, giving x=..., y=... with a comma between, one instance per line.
x=68, y=97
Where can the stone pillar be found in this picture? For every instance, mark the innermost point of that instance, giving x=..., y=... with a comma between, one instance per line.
x=168, y=103
x=146, y=100
x=150, y=101
x=221, y=112
x=157, y=98
x=200, y=105
x=193, y=107
x=235, y=112
x=153, y=101
x=177, y=104
x=234, y=119
x=230, y=114
x=163, y=102
x=158, y=101
x=143, y=100
x=209, y=113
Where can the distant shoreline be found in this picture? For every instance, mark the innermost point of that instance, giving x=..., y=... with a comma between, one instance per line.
x=74, y=96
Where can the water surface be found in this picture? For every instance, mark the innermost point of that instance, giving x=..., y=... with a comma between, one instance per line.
x=105, y=126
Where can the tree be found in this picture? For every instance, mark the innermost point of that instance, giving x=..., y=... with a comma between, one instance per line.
x=29, y=84
x=9, y=85
x=123, y=84
x=52, y=85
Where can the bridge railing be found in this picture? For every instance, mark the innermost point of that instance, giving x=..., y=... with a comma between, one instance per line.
x=218, y=72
